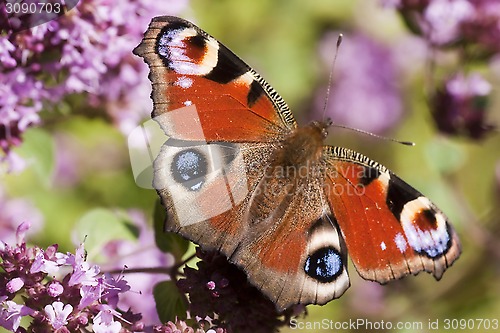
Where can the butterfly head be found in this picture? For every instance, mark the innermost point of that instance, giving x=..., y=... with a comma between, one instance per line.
x=304, y=145
x=322, y=126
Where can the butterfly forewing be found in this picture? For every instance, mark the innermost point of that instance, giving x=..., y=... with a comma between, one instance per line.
x=191, y=68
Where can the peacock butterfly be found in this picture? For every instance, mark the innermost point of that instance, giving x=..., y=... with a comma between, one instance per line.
x=238, y=175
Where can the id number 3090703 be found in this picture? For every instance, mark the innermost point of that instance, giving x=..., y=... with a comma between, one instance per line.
x=19, y=7
x=470, y=324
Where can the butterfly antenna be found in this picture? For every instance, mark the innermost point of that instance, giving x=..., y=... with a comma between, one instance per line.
x=330, y=79
x=406, y=143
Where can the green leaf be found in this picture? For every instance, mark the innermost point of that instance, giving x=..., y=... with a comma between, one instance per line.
x=38, y=151
x=99, y=226
x=167, y=241
x=445, y=156
x=169, y=301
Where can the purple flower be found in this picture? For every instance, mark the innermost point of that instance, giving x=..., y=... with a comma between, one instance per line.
x=11, y=314
x=57, y=314
x=483, y=28
x=113, y=288
x=42, y=264
x=55, y=304
x=14, y=285
x=443, y=19
x=83, y=273
x=90, y=295
x=105, y=288
x=445, y=23
x=20, y=100
x=104, y=321
x=55, y=289
x=459, y=107
x=365, y=93
x=6, y=48
x=438, y=21
x=102, y=327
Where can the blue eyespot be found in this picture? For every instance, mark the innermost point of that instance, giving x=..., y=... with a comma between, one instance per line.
x=189, y=168
x=324, y=265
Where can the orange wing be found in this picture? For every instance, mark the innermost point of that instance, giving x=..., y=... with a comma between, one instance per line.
x=390, y=229
x=202, y=91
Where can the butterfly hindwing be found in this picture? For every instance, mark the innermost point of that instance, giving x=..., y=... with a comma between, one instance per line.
x=391, y=230
x=295, y=256
x=203, y=191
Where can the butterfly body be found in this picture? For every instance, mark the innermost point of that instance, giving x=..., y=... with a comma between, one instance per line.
x=292, y=163
x=239, y=176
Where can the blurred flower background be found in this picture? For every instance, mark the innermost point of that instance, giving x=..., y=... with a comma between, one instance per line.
x=427, y=71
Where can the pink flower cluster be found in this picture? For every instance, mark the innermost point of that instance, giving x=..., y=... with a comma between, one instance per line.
x=87, y=50
x=447, y=22
x=459, y=107
x=472, y=29
x=61, y=292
